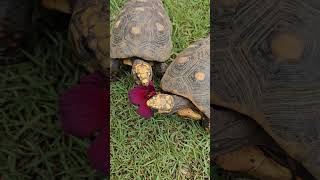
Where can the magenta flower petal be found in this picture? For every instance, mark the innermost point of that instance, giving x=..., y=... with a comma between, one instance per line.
x=137, y=95
x=84, y=108
x=96, y=79
x=99, y=152
x=145, y=111
x=151, y=87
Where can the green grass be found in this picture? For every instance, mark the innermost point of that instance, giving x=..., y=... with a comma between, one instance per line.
x=166, y=146
x=32, y=144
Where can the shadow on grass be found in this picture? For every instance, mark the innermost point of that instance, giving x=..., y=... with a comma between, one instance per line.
x=32, y=144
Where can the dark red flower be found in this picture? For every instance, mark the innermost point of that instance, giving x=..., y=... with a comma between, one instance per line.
x=84, y=110
x=139, y=96
x=84, y=107
x=98, y=152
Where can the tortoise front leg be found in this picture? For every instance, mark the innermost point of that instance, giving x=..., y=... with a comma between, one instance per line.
x=253, y=161
x=169, y=104
x=189, y=113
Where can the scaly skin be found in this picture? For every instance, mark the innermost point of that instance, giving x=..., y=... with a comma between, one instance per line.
x=264, y=66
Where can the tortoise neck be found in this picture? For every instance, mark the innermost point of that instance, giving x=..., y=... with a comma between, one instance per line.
x=181, y=103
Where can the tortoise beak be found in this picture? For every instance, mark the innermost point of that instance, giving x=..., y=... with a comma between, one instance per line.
x=145, y=82
x=151, y=103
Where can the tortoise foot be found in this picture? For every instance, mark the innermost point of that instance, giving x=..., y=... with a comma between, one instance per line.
x=251, y=160
x=189, y=113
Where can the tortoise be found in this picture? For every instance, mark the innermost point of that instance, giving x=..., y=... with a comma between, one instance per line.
x=187, y=79
x=88, y=29
x=264, y=66
x=239, y=144
x=141, y=37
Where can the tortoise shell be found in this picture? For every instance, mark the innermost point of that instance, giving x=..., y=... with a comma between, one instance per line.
x=143, y=29
x=89, y=34
x=266, y=65
x=189, y=75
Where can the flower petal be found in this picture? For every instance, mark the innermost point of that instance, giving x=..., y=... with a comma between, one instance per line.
x=151, y=87
x=138, y=95
x=99, y=152
x=97, y=79
x=84, y=109
x=145, y=111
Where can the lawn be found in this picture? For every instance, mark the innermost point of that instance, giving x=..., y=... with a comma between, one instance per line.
x=166, y=146
x=32, y=144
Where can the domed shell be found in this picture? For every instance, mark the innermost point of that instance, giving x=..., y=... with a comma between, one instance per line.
x=189, y=75
x=89, y=35
x=143, y=29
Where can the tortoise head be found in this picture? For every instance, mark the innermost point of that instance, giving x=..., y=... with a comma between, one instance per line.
x=142, y=72
x=164, y=103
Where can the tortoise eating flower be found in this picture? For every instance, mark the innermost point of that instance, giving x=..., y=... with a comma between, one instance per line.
x=139, y=95
x=188, y=79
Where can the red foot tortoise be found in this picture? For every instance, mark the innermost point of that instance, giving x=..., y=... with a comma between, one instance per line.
x=265, y=65
x=187, y=78
x=141, y=35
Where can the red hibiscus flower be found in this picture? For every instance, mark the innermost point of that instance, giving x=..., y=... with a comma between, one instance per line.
x=84, y=111
x=139, y=96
